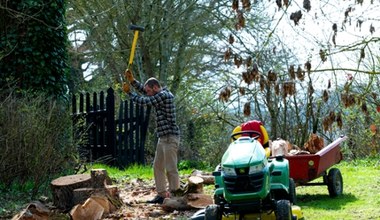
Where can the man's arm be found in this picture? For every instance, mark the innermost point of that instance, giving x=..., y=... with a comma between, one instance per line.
x=149, y=100
x=138, y=86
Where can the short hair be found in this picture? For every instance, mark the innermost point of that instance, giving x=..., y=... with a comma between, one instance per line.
x=152, y=82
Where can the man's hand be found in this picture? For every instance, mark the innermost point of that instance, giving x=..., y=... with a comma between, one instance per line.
x=126, y=87
x=128, y=74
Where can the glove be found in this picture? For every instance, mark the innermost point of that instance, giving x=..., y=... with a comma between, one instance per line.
x=126, y=88
x=128, y=74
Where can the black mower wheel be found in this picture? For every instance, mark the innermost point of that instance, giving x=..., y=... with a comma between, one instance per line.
x=283, y=210
x=199, y=215
x=218, y=199
x=292, y=191
x=335, y=182
x=213, y=212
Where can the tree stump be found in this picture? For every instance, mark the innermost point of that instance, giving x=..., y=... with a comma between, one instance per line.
x=82, y=194
x=100, y=178
x=63, y=187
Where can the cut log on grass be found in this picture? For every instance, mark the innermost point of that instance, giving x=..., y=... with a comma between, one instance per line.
x=198, y=200
x=187, y=202
x=35, y=210
x=63, y=187
x=208, y=178
x=100, y=178
x=92, y=208
x=195, y=185
x=175, y=203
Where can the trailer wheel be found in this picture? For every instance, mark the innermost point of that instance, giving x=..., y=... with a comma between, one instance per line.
x=283, y=210
x=335, y=182
x=213, y=212
x=292, y=191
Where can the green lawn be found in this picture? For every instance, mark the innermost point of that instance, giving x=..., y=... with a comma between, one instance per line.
x=360, y=199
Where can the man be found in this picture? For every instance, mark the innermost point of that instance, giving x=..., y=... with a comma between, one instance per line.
x=254, y=125
x=165, y=159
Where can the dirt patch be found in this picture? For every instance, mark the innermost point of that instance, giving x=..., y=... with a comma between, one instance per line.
x=134, y=195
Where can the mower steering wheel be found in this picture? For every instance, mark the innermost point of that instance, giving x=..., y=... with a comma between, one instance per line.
x=252, y=134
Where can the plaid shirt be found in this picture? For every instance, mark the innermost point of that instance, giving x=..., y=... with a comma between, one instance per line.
x=163, y=102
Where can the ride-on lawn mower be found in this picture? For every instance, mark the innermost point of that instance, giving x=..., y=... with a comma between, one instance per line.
x=248, y=185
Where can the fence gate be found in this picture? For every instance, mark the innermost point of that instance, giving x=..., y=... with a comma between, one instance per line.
x=103, y=139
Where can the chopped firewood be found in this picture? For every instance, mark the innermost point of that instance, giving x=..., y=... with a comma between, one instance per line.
x=198, y=200
x=187, y=202
x=195, y=185
x=93, y=208
x=35, y=210
x=314, y=144
x=175, y=203
x=280, y=147
x=298, y=152
x=208, y=178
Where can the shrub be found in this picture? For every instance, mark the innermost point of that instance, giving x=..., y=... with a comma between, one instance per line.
x=35, y=140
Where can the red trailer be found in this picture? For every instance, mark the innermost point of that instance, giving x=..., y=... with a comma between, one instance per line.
x=308, y=167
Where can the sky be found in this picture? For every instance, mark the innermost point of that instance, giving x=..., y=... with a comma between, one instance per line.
x=315, y=29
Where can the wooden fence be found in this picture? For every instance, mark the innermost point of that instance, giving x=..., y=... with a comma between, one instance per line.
x=101, y=137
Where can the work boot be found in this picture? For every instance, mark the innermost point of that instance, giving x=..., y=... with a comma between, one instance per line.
x=157, y=199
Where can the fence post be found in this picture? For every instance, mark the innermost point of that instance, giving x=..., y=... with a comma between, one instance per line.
x=110, y=123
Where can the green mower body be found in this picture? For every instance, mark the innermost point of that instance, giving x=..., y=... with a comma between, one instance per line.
x=246, y=181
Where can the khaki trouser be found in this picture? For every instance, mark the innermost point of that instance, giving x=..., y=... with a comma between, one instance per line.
x=165, y=164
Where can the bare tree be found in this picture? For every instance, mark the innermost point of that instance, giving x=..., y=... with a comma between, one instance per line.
x=303, y=65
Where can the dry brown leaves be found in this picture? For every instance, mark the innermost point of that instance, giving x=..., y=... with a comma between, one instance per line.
x=306, y=5
x=134, y=195
x=296, y=17
x=289, y=88
x=225, y=94
x=247, y=109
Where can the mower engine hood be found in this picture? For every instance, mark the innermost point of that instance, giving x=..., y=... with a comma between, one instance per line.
x=243, y=152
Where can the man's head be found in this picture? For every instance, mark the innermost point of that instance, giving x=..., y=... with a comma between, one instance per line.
x=152, y=86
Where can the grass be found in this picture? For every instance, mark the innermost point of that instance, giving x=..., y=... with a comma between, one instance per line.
x=132, y=172
x=360, y=199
